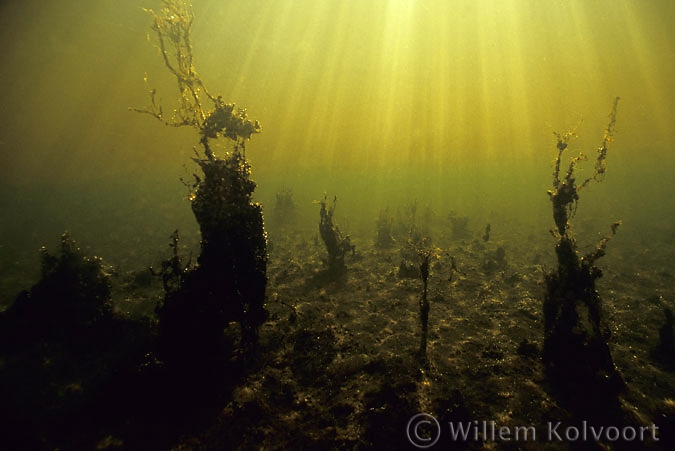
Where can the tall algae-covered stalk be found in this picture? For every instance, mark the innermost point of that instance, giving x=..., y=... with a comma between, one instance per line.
x=576, y=353
x=229, y=282
x=337, y=245
x=425, y=256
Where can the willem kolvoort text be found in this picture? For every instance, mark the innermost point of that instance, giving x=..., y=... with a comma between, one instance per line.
x=554, y=431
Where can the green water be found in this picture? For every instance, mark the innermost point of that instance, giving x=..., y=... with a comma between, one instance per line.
x=382, y=103
x=444, y=108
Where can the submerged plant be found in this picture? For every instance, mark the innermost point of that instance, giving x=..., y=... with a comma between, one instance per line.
x=197, y=107
x=385, y=223
x=284, y=207
x=576, y=352
x=336, y=244
x=72, y=296
x=495, y=260
x=417, y=238
x=486, y=235
x=425, y=256
x=173, y=270
x=230, y=280
x=460, y=227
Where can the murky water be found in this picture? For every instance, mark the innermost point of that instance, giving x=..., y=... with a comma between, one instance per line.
x=382, y=103
x=438, y=116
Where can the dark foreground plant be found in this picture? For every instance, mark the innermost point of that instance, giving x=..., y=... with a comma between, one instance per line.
x=577, y=357
x=229, y=282
x=71, y=298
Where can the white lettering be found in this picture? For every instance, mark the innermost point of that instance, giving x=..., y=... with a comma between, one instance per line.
x=615, y=433
x=526, y=430
x=571, y=433
x=460, y=431
x=487, y=431
x=553, y=431
x=504, y=434
x=654, y=428
x=625, y=431
x=598, y=435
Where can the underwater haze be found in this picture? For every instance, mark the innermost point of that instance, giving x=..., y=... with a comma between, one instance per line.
x=446, y=109
x=452, y=103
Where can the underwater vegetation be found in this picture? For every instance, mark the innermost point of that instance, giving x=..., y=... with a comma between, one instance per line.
x=63, y=349
x=460, y=227
x=172, y=27
x=415, y=238
x=71, y=299
x=385, y=224
x=285, y=208
x=229, y=281
x=576, y=352
x=336, y=244
x=486, y=235
x=496, y=260
x=425, y=256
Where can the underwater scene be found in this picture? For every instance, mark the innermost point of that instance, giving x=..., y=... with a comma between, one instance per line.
x=337, y=224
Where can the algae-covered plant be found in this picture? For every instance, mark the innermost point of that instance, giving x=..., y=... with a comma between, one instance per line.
x=230, y=279
x=425, y=255
x=196, y=106
x=71, y=298
x=576, y=352
x=337, y=245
